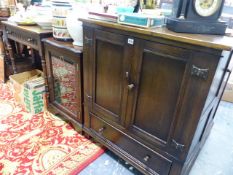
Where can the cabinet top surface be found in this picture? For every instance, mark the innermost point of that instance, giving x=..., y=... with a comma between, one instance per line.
x=33, y=29
x=210, y=41
x=63, y=45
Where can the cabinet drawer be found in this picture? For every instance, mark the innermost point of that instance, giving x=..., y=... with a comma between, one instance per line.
x=21, y=36
x=144, y=158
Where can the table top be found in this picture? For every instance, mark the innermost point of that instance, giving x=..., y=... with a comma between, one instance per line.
x=65, y=45
x=3, y=18
x=211, y=41
x=33, y=29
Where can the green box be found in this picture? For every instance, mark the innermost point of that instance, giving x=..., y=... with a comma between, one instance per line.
x=34, y=92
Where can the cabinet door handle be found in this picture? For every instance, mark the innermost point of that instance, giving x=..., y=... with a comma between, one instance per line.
x=127, y=75
x=88, y=96
x=131, y=86
x=146, y=158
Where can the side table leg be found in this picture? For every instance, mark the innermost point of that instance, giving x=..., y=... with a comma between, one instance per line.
x=2, y=59
x=11, y=55
x=2, y=48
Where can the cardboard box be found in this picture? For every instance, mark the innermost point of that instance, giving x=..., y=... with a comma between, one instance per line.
x=18, y=80
x=34, y=92
x=228, y=93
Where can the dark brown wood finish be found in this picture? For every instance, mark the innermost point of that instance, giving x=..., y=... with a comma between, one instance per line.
x=146, y=158
x=207, y=41
x=64, y=70
x=29, y=36
x=155, y=103
x=108, y=92
x=151, y=95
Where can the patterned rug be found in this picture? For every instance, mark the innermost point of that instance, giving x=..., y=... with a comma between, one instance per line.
x=40, y=144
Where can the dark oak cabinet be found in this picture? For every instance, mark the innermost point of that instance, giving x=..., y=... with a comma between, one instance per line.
x=150, y=99
x=64, y=74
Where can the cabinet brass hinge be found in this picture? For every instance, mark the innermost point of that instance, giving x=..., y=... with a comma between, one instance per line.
x=177, y=145
x=199, y=72
x=228, y=70
x=87, y=40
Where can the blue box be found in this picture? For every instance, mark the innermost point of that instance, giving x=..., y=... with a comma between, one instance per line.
x=140, y=20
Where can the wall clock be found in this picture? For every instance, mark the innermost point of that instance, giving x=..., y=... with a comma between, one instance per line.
x=206, y=7
x=197, y=16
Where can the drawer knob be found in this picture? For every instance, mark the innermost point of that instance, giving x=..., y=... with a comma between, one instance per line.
x=146, y=158
x=131, y=86
x=101, y=130
x=29, y=39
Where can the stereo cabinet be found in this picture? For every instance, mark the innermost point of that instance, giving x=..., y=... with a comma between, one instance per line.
x=151, y=98
x=64, y=74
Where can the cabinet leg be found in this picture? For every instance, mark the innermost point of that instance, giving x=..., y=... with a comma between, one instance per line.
x=43, y=63
x=86, y=135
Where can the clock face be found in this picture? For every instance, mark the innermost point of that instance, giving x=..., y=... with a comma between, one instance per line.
x=207, y=8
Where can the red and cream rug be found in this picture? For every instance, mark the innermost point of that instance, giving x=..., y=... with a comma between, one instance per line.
x=40, y=144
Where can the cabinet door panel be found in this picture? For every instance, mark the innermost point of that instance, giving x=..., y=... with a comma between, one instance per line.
x=64, y=75
x=64, y=89
x=109, y=69
x=159, y=78
x=158, y=92
x=110, y=61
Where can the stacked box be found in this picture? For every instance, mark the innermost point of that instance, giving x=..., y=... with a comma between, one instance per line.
x=34, y=92
x=18, y=80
